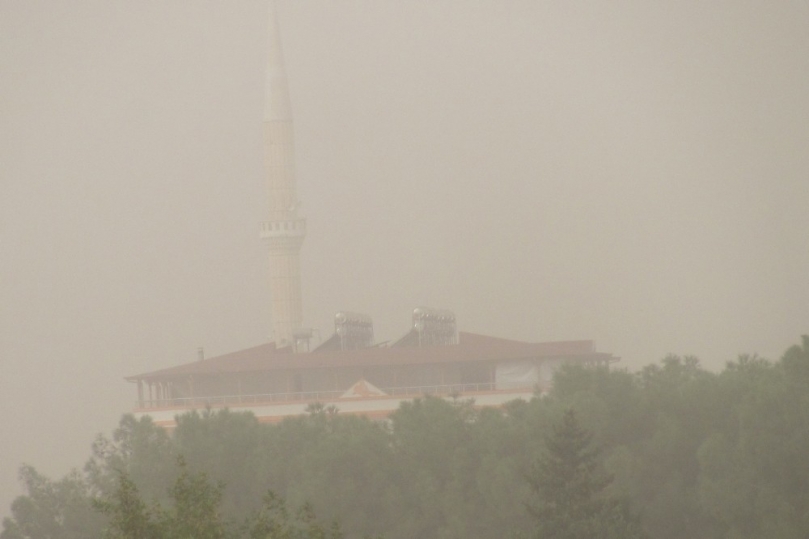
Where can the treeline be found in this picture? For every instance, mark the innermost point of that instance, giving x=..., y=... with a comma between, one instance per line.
x=682, y=452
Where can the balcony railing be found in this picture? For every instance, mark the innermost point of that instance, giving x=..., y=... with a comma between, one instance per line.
x=308, y=396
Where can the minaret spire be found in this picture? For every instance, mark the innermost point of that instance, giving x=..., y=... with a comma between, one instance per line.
x=284, y=231
x=276, y=101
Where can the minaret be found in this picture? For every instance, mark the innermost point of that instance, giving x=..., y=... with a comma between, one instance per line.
x=284, y=230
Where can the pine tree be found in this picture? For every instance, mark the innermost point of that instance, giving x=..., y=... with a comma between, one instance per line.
x=569, y=487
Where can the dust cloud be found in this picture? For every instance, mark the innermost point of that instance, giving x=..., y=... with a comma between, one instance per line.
x=634, y=173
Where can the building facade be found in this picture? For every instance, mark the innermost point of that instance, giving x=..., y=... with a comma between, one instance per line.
x=348, y=373
x=274, y=383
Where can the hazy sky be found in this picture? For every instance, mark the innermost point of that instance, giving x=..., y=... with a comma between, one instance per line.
x=635, y=173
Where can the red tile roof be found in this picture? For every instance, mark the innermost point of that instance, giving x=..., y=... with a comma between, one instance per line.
x=471, y=347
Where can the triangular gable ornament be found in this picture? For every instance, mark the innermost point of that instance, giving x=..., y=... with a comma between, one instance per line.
x=363, y=389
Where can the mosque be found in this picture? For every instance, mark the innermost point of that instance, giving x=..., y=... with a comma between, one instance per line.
x=348, y=373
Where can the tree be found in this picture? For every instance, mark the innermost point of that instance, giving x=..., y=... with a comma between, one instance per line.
x=140, y=447
x=570, y=489
x=753, y=470
x=130, y=518
x=194, y=514
x=274, y=521
x=195, y=511
x=52, y=509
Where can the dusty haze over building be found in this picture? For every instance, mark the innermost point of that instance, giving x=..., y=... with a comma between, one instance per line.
x=634, y=173
x=284, y=231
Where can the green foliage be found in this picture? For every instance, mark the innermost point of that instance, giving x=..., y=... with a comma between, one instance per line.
x=274, y=521
x=569, y=487
x=130, y=518
x=228, y=447
x=141, y=449
x=693, y=453
x=52, y=509
x=194, y=514
x=754, y=477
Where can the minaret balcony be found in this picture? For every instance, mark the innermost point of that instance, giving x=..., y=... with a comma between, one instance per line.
x=290, y=228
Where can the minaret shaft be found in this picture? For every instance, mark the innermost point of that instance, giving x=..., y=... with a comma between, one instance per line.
x=279, y=160
x=284, y=231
